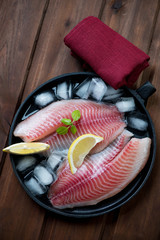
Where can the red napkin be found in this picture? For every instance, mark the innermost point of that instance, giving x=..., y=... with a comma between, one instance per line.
x=117, y=61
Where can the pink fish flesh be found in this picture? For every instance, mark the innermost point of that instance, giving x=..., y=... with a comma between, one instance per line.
x=105, y=128
x=48, y=119
x=102, y=175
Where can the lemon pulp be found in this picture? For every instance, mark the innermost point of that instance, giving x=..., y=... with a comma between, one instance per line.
x=80, y=148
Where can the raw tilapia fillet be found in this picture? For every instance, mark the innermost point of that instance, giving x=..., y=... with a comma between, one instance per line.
x=106, y=128
x=48, y=119
x=102, y=175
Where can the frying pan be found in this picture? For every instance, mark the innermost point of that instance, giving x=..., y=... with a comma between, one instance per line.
x=140, y=96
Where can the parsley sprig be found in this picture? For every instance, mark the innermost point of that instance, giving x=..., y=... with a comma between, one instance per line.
x=63, y=130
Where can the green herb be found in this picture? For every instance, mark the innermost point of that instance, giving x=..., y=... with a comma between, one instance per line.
x=63, y=130
x=66, y=121
x=73, y=129
x=76, y=115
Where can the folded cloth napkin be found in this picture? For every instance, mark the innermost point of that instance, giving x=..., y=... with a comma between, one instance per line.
x=117, y=61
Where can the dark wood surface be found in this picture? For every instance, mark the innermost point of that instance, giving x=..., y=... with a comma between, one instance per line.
x=31, y=52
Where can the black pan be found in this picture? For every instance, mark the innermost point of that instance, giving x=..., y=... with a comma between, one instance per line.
x=140, y=96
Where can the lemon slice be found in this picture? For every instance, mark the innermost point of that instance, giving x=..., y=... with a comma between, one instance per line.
x=26, y=148
x=80, y=148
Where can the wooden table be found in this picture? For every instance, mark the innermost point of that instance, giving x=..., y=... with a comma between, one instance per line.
x=31, y=52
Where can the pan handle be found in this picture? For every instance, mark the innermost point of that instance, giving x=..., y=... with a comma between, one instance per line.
x=145, y=91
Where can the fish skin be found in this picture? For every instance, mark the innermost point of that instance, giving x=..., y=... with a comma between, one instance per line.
x=100, y=177
x=48, y=119
x=105, y=128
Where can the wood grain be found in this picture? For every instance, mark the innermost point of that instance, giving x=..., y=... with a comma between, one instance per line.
x=31, y=52
x=142, y=214
x=19, y=21
x=75, y=229
x=63, y=229
x=131, y=23
x=135, y=21
x=20, y=217
x=52, y=57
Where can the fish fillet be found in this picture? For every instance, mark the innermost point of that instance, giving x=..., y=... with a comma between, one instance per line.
x=48, y=119
x=102, y=175
x=105, y=128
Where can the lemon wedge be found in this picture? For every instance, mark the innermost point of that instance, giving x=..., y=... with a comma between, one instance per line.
x=80, y=148
x=26, y=148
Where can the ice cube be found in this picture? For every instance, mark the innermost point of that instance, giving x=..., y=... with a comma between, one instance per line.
x=30, y=111
x=75, y=85
x=137, y=121
x=63, y=153
x=97, y=89
x=112, y=97
x=34, y=186
x=64, y=90
x=70, y=90
x=112, y=94
x=43, y=175
x=111, y=91
x=54, y=90
x=82, y=90
x=126, y=104
x=54, y=161
x=44, y=98
x=25, y=162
